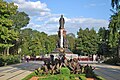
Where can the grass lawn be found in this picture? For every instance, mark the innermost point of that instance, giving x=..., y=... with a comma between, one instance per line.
x=60, y=77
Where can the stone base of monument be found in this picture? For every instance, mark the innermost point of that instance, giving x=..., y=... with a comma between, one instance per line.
x=63, y=51
x=58, y=50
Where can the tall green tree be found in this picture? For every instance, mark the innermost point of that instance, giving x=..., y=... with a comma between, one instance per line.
x=115, y=4
x=103, y=44
x=36, y=43
x=20, y=20
x=71, y=41
x=87, y=41
x=114, y=26
x=7, y=34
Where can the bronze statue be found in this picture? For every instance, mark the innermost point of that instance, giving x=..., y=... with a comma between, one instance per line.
x=61, y=22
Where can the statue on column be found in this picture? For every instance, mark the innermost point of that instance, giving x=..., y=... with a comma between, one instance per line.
x=61, y=22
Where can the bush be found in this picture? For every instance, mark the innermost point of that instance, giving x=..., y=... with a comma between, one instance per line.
x=9, y=59
x=112, y=61
x=89, y=72
x=64, y=71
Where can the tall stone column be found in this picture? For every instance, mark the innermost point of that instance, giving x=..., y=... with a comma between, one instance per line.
x=61, y=38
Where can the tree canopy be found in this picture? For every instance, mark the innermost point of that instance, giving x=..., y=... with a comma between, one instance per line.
x=8, y=22
x=87, y=41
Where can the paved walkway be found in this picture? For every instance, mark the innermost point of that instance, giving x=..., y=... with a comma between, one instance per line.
x=18, y=71
x=109, y=72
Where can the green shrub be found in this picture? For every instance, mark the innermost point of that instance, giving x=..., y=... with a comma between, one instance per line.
x=9, y=59
x=112, y=61
x=89, y=72
x=64, y=71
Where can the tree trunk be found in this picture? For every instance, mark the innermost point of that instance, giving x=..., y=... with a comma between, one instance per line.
x=4, y=51
x=119, y=51
x=7, y=50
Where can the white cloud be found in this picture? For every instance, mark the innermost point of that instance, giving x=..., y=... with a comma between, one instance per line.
x=72, y=25
x=49, y=29
x=85, y=22
x=94, y=5
x=42, y=18
x=32, y=8
x=44, y=21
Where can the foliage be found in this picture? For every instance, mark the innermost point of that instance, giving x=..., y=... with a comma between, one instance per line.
x=10, y=20
x=36, y=43
x=82, y=77
x=89, y=72
x=7, y=34
x=104, y=48
x=112, y=61
x=114, y=27
x=64, y=71
x=10, y=59
x=61, y=77
x=87, y=41
x=115, y=4
x=71, y=41
x=20, y=20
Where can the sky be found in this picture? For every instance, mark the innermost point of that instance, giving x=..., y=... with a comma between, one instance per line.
x=44, y=14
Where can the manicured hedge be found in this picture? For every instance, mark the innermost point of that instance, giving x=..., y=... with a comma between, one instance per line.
x=9, y=59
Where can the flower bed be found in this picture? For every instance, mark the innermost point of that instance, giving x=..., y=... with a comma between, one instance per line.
x=64, y=75
x=67, y=70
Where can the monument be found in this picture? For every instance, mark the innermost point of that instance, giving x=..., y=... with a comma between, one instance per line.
x=62, y=43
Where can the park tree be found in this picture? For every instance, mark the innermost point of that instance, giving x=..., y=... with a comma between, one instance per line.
x=103, y=42
x=52, y=39
x=114, y=26
x=36, y=43
x=71, y=41
x=11, y=22
x=7, y=33
x=87, y=41
x=20, y=20
x=115, y=4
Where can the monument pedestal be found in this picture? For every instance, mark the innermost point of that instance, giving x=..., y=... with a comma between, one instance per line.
x=62, y=46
